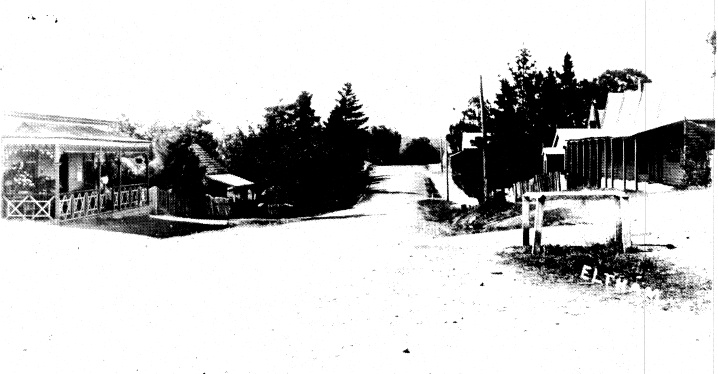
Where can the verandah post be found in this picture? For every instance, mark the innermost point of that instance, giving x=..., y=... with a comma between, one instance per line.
x=635, y=160
x=623, y=159
x=119, y=179
x=99, y=180
x=605, y=162
x=594, y=165
x=588, y=163
x=610, y=141
x=147, y=171
x=56, y=172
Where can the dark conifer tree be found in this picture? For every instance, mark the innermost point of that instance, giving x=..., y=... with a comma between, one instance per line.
x=346, y=145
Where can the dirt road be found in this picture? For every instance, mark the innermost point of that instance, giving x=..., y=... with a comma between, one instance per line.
x=373, y=289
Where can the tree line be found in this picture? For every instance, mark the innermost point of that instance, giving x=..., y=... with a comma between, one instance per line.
x=530, y=106
x=293, y=156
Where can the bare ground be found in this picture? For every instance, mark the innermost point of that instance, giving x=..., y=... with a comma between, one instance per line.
x=350, y=292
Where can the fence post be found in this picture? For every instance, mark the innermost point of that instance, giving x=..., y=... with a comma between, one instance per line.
x=619, y=223
x=538, y=223
x=625, y=223
x=153, y=200
x=525, y=217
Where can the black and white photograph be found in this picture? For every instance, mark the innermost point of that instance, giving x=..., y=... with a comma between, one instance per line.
x=357, y=186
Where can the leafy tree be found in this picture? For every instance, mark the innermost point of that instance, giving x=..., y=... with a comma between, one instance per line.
x=298, y=160
x=182, y=172
x=124, y=126
x=622, y=80
x=420, y=152
x=195, y=130
x=551, y=100
x=232, y=149
x=696, y=163
x=384, y=145
x=504, y=113
x=179, y=167
x=588, y=93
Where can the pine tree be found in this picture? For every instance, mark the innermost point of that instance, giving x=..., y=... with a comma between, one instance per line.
x=504, y=112
x=346, y=145
x=573, y=100
x=567, y=76
x=523, y=74
x=347, y=113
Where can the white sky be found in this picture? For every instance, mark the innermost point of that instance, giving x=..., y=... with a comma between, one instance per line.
x=411, y=63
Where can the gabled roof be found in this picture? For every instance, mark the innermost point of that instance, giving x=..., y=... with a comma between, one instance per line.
x=215, y=171
x=625, y=113
x=631, y=112
x=212, y=166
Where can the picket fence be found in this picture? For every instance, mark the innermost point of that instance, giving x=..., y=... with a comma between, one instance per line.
x=166, y=202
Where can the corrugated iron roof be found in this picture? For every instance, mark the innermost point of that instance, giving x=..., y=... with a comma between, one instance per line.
x=212, y=166
x=56, y=118
x=29, y=125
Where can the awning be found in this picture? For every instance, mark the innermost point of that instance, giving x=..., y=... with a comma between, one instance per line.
x=230, y=180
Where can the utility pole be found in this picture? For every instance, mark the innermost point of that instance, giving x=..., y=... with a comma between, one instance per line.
x=448, y=161
x=485, y=143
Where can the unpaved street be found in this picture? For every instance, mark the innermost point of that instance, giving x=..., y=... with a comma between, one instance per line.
x=348, y=292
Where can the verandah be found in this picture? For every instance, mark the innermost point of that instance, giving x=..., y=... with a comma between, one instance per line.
x=66, y=181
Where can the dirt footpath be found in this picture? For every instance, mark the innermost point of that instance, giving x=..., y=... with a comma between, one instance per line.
x=371, y=289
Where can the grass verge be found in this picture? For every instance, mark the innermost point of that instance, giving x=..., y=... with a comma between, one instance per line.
x=567, y=263
x=493, y=215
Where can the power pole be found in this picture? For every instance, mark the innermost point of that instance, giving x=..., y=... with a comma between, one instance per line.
x=485, y=143
x=448, y=162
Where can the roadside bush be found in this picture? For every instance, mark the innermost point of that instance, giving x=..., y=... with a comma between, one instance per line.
x=696, y=163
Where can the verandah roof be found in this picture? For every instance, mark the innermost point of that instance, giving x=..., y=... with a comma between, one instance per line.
x=230, y=180
x=75, y=133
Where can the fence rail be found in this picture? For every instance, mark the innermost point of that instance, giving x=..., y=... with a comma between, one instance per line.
x=75, y=204
x=166, y=202
x=28, y=207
